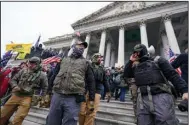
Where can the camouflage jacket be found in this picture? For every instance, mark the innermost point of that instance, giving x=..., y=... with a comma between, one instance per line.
x=30, y=82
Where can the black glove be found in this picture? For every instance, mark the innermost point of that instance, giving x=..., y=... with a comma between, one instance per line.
x=183, y=106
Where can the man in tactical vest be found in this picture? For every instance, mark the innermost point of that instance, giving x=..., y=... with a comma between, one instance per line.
x=100, y=78
x=69, y=87
x=155, y=104
x=26, y=83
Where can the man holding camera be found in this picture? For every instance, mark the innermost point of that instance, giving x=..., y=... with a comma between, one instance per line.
x=155, y=104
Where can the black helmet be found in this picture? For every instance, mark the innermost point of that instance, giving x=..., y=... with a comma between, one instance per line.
x=141, y=48
x=34, y=59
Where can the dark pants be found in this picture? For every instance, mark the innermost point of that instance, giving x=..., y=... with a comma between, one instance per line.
x=117, y=93
x=101, y=90
x=112, y=88
x=63, y=110
x=122, y=94
x=164, y=110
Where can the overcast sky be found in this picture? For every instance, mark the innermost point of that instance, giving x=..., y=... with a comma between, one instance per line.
x=22, y=22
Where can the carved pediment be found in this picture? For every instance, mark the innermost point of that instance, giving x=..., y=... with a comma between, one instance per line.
x=112, y=9
x=124, y=7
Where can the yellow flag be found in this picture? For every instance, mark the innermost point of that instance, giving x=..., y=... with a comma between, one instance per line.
x=23, y=49
x=21, y=55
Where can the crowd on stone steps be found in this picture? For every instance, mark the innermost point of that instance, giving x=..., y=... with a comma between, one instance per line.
x=79, y=82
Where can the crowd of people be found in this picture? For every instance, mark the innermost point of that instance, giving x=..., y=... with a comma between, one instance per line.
x=73, y=87
x=42, y=53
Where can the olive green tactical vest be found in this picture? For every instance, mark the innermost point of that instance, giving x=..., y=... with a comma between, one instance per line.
x=28, y=82
x=71, y=77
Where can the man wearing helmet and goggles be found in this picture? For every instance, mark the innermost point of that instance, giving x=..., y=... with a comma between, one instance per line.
x=155, y=103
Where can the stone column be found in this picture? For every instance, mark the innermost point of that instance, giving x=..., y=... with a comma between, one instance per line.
x=165, y=45
x=102, y=43
x=121, y=52
x=108, y=51
x=143, y=33
x=87, y=39
x=171, y=35
x=112, y=63
x=162, y=54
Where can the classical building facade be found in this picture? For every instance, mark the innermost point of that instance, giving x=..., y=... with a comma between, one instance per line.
x=115, y=29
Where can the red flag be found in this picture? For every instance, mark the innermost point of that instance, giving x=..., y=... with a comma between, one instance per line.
x=171, y=60
x=4, y=81
x=50, y=60
x=172, y=57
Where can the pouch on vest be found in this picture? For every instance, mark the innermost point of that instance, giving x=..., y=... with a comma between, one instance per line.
x=80, y=98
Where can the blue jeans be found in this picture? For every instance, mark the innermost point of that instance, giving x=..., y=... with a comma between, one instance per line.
x=101, y=90
x=122, y=94
x=63, y=110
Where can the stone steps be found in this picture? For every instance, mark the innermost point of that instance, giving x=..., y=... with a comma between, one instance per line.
x=115, y=115
x=124, y=114
x=38, y=118
x=102, y=116
x=124, y=109
x=116, y=109
x=112, y=113
x=33, y=119
x=103, y=121
x=128, y=98
x=26, y=122
x=117, y=104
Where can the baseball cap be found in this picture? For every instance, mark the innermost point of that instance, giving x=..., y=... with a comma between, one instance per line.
x=79, y=42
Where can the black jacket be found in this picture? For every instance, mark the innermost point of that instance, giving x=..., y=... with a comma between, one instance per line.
x=182, y=62
x=168, y=71
x=105, y=83
x=90, y=83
